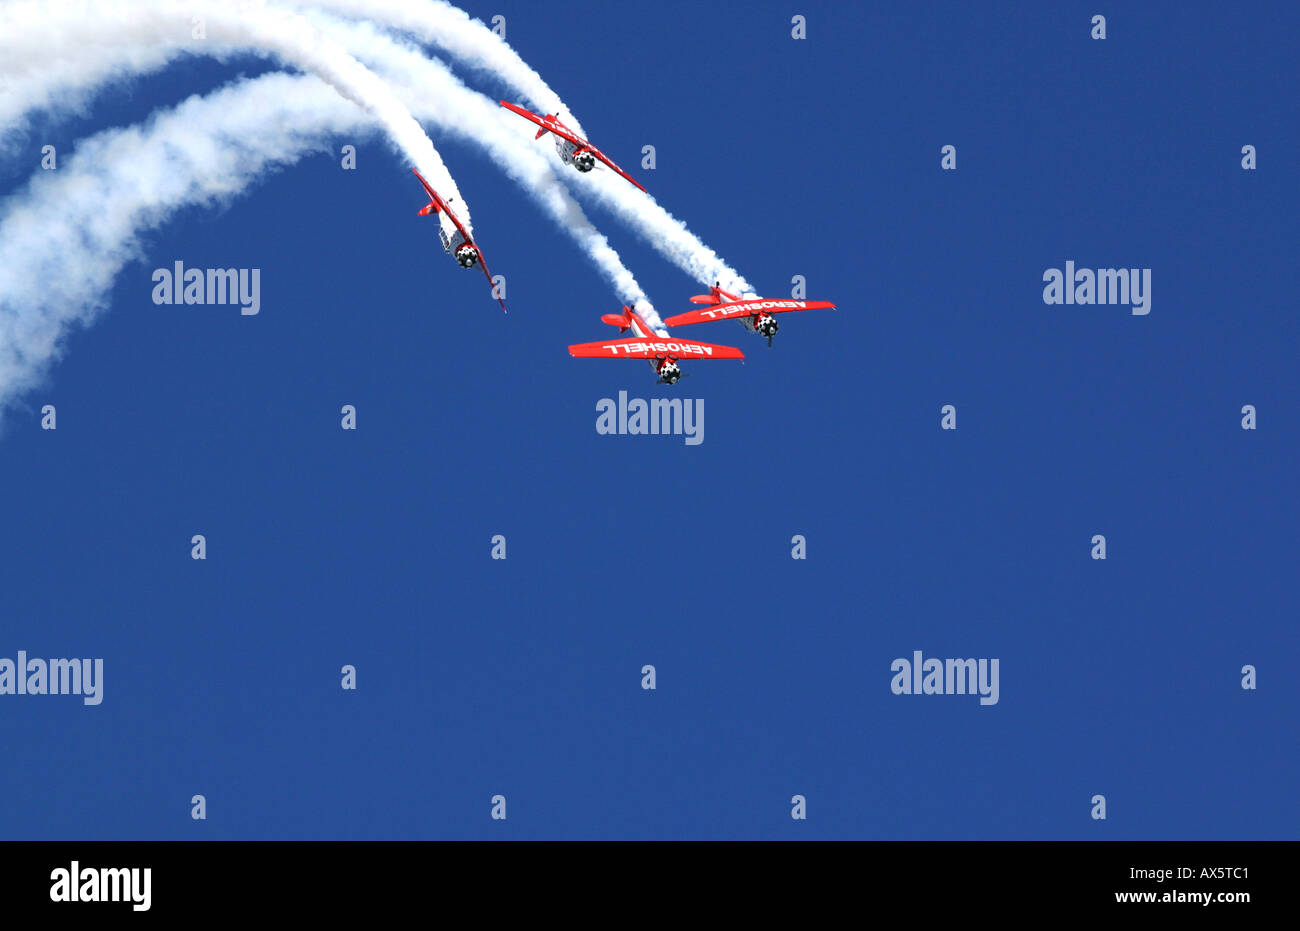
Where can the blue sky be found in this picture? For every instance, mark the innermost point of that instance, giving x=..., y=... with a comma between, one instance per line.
x=522, y=677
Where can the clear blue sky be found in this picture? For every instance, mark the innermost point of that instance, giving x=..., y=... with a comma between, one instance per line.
x=522, y=677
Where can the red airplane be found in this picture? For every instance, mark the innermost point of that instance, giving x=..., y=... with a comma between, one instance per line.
x=662, y=351
x=573, y=149
x=455, y=240
x=755, y=314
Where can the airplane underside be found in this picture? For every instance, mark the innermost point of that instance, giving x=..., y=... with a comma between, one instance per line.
x=455, y=244
x=668, y=370
x=763, y=324
x=570, y=154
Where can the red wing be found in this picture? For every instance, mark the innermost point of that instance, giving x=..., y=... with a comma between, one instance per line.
x=610, y=162
x=657, y=347
x=451, y=215
x=483, y=265
x=548, y=124
x=736, y=309
x=442, y=205
x=433, y=195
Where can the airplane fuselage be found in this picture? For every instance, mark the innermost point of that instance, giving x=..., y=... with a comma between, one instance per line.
x=762, y=324
x=666, y=369
x=455, y=244
x=575, y=155
x=447, y=232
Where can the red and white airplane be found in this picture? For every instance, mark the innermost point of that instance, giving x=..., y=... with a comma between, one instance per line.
x=456, y=241
x=755, y=314
x=573, y=149
x=663, y=352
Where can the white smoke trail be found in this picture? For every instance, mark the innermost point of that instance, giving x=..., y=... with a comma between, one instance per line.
x=106, y=38
x=440, y=23
x=69, y=232
x=71, y=86
x=433, y=92
x=456, y=32
x=472, y=41
x=442, y=99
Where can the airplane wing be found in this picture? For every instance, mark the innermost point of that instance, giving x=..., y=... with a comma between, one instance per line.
x=433, y=195
x=735, y=309
x=657, y=347
x=482, y=263
x=547, y=124
x=438, y=204
x=554, y=126
x=610, y=162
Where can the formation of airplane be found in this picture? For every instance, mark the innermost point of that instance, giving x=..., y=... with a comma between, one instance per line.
x=757, y=314
x=456, y=241
x=663, y=352
x=573, y=149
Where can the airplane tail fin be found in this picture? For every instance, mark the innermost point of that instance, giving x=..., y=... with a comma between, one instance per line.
x=427, y=209
x=715, y=296
x=543, y=131
x=623, y=321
